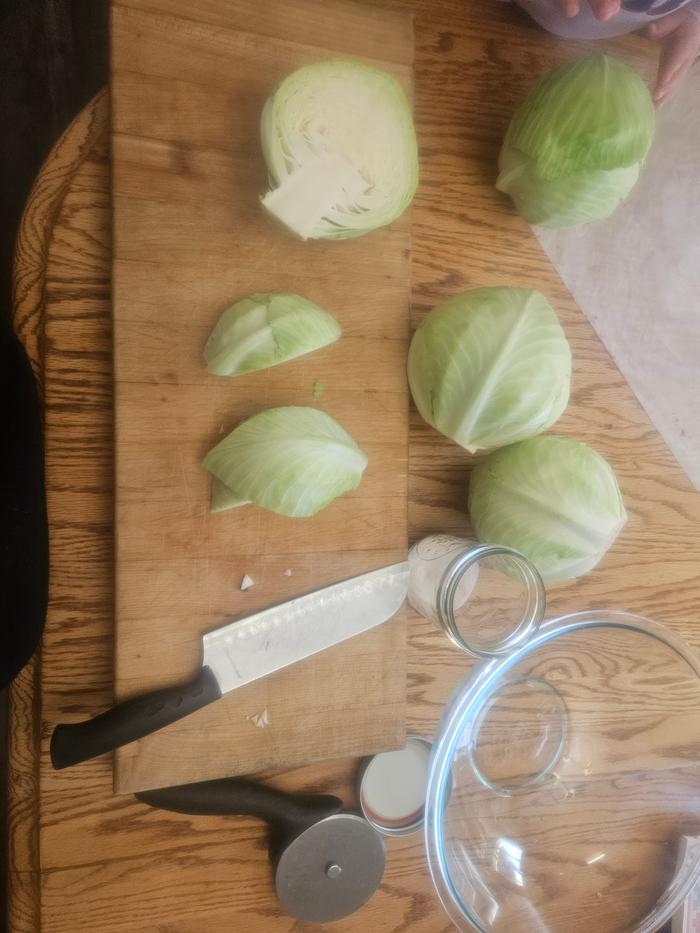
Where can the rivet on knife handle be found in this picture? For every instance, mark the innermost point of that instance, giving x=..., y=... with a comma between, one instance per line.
x=72, y=743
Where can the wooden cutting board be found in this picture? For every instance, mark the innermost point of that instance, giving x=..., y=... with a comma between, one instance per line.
x=188, y=84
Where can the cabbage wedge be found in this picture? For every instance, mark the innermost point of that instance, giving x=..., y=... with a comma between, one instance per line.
x=265, y=330
x=293, y=461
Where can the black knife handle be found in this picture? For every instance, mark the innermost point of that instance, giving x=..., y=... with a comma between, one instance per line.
x=288, y=814
x=131, y=720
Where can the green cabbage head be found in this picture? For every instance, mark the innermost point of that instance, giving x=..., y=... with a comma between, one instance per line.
x=490, y=367
x=555, y=500
x=575, y=147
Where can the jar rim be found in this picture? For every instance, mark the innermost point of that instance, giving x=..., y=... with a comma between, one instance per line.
x=532, y=616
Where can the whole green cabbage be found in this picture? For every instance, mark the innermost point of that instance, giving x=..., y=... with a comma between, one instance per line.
x=490, y=367
x=553, y=499
x=575, y=147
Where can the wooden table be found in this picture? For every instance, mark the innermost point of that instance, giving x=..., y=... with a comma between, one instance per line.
x=81, y=858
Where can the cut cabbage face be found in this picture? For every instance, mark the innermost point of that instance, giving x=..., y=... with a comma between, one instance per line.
x=340, y=147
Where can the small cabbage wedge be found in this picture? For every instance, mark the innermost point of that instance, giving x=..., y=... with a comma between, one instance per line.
x=340, y=147
x=490, y=367
x=575, y=147
x=554, y=499
x=292, y=460
x=267, y=329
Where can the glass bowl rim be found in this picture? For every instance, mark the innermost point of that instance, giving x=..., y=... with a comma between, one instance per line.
x=466, y=701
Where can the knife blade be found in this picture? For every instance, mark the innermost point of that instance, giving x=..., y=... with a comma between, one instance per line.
x=240, y=652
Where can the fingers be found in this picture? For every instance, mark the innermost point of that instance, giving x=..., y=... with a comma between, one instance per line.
x=570, y=7
x=678, y=53
x=664, y=92
x=604, y=9
x=665, y=25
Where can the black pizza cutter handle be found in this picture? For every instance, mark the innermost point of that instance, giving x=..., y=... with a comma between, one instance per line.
x=288, y=815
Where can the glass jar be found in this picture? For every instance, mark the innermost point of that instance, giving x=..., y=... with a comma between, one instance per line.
x=487, y=598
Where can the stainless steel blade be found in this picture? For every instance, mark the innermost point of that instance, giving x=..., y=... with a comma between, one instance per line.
x=258, y=645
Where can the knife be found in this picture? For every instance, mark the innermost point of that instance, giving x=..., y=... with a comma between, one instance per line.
x=240, y=652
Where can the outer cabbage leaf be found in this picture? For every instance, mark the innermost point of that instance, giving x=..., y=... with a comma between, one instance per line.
x=574, y=148
x=567, y=201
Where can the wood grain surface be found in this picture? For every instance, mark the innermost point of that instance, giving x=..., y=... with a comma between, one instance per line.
x=188, y=85
x=85, y=859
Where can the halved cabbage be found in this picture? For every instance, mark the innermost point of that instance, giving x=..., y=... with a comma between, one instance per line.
x=490, y=366
x=291, y=460
x=554, y=499
x=267, y=329
x=340, y=147
x=575, y=147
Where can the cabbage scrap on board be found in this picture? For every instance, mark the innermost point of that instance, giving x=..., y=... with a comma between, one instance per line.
x=490, y=367
x=340, y=147
x=554, y=499
x=575, y=147
x=293, y=461
x=266, y=329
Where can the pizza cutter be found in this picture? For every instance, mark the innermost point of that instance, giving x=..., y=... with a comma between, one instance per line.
x=328, y=862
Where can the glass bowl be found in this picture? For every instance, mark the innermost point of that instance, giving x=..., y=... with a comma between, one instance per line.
x=564, y=792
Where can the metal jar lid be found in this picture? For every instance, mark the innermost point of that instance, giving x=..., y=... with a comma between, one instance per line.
x=392, y=788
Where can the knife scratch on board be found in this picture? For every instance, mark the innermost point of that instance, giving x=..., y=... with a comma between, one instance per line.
x=185, y=481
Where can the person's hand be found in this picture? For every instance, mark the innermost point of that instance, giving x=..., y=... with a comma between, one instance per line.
x=679, y=36
x=601, y=9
